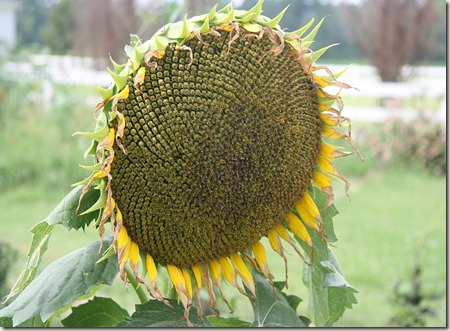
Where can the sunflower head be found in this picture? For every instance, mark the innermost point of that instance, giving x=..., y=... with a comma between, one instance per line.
x=213, y=135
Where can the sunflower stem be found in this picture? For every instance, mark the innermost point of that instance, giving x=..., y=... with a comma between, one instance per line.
x=138, y=289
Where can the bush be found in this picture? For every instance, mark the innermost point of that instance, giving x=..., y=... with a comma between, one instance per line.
x=37, y=128
x=421, y=142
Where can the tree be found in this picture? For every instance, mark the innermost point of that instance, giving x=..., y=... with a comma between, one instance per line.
x=60, y=31
x=196, y=7
x=392, y=33
x=32, y=15
x=104, y=26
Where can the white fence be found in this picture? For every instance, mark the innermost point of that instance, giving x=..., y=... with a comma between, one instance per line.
x=424, y=82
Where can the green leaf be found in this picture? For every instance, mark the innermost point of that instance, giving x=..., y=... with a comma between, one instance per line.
x=155, y=313
x=305, y=320
x=293, y=300
x=330, y=294
x=230, y=322
x=326, y=212
x=98, y=312
x=341, y=295
x=272, y=308
x=64, y=214
x=62, y=282
x=41, y=234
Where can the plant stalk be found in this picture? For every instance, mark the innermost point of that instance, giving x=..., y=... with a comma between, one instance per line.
x=138, y=289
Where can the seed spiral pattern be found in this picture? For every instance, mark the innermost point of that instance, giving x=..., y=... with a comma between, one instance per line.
x=219, y=148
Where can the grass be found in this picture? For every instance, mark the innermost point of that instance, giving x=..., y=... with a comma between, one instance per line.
x=394, y=217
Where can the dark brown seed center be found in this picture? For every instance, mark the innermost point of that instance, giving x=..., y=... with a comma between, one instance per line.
x=219, y=150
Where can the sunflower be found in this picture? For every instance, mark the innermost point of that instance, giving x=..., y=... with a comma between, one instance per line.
x=213, y=135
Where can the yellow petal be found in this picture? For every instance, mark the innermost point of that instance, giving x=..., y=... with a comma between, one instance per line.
x=328, y=119
x=260, y=253
x=107, y=142
x=176, y=276
x=177, y=279
x=227, y=270
x=282, y=232
x=325, y=164
x=322, y=82
x=255, y=28
x=321, y=94
x=151, y=269
x=322, y=181
x=275, y=241
x=322, y=106
x=298, y=228
x=261, y=259
x=187, y=280
x=120, y=96
x=215, y=270
x=140, y=75
x=330, y=132
x=134, y=254
x=243, y=271
x=123, y=238
x=310, y=204
x=99, y=174
x=327, y=151
x=308, y=211
x=126, y=253
x=198, y=275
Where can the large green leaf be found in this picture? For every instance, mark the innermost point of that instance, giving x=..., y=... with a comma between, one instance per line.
x=98, y=312
x=62, y=282
x=330, y=293
x=155, y=313
x=272, y=307
x=64, y=214
x=229, y=322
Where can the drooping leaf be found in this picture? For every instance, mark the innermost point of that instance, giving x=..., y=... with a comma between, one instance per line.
x=330, y=294
x=229, y=322
x=293, y=300
x=305, y=320
x=272, y=308
x=41, y=234
x=62, y=282
x=327, y=213
x=155, y=313
x=98, y=312
x=341, y=295
x=64, y=214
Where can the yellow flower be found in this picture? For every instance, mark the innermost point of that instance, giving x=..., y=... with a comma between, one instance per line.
x=211, y=137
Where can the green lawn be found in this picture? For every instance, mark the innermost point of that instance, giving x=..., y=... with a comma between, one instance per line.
x=394, y=217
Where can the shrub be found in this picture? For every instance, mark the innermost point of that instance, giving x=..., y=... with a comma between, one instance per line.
x=421, y=142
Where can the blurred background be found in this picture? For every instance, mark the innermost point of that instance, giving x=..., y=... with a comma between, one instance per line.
x=392, y=229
